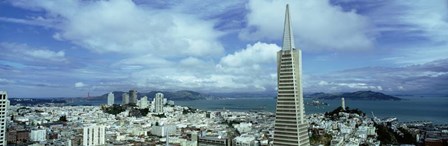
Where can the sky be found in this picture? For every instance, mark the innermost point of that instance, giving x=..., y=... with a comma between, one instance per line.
x=67, y=48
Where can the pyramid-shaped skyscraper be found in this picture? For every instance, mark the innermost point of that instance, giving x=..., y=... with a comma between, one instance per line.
x=291, y=127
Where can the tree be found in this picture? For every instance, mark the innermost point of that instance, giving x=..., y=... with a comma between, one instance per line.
x=63, y=118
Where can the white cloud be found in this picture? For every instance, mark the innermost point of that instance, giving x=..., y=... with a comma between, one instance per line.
x=32, y=54
x=6, y=81
x=317, y=25
x=80, y=84
x=122, y=26
x=46, y=54
x=421, y=25
x=252, y=54
x=428, y=78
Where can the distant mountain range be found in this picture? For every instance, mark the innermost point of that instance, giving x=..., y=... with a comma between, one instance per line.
x=358, y=95
x=192, y=95
x=177, y=95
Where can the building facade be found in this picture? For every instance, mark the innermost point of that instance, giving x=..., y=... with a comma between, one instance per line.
x=3, y=110
x=133, y=96
x=94, y=135
x=125, y=98
x=291, y=128
x=158, y=103
x=143, y=103
x=110, y=99
x=38, y=135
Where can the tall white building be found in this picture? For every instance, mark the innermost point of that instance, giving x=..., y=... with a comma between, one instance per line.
x=94, y=135
x=290, y=127
x=125, y=98
x=158, y=103
x=3, y=109
x=110, y=99
x=143, y=103
x=343, y=103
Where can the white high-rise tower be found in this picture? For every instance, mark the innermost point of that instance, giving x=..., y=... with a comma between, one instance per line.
x=110, y=99
x=158, y=103
x=3, y=109
x=343, y=103
x=291, y=128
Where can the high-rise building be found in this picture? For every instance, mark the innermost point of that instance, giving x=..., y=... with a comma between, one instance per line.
x=158, y=103
x=94, y=135
x=125, y=98
x=133, y=96
x=143, y=102
x=343, y=103
x=3, y=110
x=110, y=99
x=291, y=128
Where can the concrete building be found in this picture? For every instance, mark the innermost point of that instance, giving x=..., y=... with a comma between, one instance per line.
x=94, y=135
x=158, y=103
x=38, y=135
x=133, y=96
x=244, y=140
x=3, y=109
x=125, y=98
x=143, y=103
x=163, y=130
x=290, y=127
x=110, y=99
x=343, y=103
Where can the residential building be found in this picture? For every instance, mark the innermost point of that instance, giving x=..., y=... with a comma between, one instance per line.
x=110, y=99
x=125, y=98
x=158, y=103
x=94, y=135
x=133, y=96
x=38, y=135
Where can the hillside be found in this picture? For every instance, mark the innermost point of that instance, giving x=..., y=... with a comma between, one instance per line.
x=358, y=95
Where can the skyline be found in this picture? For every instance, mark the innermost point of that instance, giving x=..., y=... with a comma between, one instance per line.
x=386, y=46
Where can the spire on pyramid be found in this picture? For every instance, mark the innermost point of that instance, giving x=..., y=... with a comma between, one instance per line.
x=288, y=36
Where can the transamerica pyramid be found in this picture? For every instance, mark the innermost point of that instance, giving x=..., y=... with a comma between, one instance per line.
x=291, y=128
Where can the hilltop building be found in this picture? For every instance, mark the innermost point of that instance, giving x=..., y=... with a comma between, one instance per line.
x=290, y=127
x=110, y=99
x=343, y=103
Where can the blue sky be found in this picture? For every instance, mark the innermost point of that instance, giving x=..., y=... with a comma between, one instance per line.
x=68, y=48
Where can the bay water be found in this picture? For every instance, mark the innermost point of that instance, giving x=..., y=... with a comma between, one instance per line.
x=433, y=109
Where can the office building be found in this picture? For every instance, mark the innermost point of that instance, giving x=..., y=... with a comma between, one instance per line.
x=158, y=103
x=110, y=99
x=3, y=110
x=125, y=98
x=94, y=135
x=291, y=128
x=133, y=96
